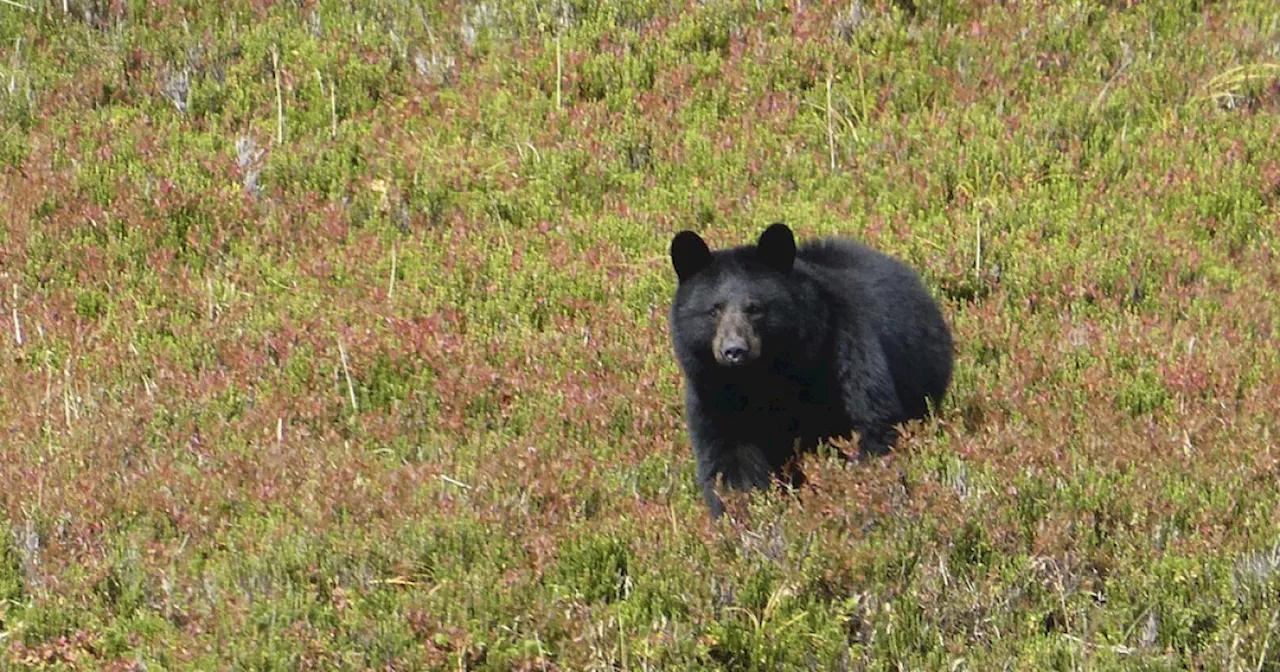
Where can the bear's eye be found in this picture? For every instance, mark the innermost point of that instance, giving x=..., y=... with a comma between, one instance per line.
x=716, y=310
x=754, y=309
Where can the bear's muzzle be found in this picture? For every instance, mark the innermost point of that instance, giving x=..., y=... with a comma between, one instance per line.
x=736, y=341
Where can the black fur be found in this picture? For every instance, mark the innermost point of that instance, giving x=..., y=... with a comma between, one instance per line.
x=810, y=343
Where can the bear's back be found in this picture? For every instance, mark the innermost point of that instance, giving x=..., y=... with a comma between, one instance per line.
x=840, y=253
x=853, y=263
x=887, y=297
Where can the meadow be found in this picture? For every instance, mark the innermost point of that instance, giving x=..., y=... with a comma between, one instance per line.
x=333, y=335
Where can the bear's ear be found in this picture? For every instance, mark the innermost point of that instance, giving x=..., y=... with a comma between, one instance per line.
x=777, y=247
x=689, y=254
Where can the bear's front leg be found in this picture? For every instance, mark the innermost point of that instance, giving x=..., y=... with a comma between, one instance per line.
x=723, y=455
x=740, y=466
x=707, y=483
x=875, y=439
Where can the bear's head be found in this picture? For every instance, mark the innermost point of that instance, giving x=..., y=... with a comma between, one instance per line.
x=733, y=307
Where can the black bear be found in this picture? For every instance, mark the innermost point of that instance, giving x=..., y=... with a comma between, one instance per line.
x=782, y=347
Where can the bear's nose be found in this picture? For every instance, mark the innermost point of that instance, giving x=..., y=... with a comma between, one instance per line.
x=734, y=353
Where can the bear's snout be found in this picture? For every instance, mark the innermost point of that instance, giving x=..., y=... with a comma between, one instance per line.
x=736, y=342
x=733, y=351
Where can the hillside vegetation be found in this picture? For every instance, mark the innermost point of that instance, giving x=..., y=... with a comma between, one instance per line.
x=334, y=334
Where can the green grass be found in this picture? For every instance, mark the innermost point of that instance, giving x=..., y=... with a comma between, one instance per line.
x=334, y=334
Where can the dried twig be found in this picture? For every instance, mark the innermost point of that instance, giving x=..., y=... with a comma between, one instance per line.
x=831, y=136
x=17, y=324
x=391, y=284
x=275, y=66
x=351, y=389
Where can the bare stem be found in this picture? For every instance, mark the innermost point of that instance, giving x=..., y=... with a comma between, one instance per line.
x=391, y=284
x=831, y=136
x=351, y=389
x=275, y=65
x=17, y=324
